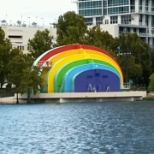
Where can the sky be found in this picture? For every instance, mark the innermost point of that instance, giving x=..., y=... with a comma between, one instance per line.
x=39, y=11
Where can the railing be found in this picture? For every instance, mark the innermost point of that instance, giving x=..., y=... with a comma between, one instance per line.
x=126, y=86
x=143, y=34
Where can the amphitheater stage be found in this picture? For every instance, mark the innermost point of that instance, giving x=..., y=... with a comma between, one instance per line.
x=86, y=96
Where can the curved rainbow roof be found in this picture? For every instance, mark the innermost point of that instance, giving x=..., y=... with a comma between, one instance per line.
x=79, y=68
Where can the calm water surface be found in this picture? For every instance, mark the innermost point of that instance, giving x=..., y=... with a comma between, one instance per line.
x=78, y=128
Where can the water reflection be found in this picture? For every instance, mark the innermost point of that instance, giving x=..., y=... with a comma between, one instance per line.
x=77, y=128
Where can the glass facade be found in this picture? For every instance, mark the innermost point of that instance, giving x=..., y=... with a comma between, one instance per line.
x=113, y=19
x=89, y=21
x=118, y=10
x=125, y=19
x=104, y=7
x=89, y=4
x=122, y=12
x=99, y=20
x=117, y=2
x=90, y=8
x=90, y=12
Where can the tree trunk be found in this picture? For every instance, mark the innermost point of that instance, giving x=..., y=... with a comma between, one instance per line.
x=28, y=96
x=17, y=102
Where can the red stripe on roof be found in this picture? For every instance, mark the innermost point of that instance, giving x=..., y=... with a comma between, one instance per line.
x=55, y=51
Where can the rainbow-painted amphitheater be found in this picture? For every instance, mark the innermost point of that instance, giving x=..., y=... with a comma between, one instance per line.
x=79, y=68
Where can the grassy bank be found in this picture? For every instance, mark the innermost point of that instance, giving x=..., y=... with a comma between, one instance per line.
x=150, y=96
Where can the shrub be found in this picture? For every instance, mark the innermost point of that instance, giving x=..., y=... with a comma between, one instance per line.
x=151, y=84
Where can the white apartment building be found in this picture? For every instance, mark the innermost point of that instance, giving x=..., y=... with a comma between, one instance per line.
x=120, y=16
x=20, y=35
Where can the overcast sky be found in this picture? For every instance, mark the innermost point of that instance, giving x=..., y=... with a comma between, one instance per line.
x=35, y=10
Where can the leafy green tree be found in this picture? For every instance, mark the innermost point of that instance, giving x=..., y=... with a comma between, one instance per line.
x=135, y=57
x=21, y=73
x=17, y=64
x=41, y=42
x=71, y=28
x=97, y=37
x=130, y=69
x=30, y=82
x=151, y=84
x=5, y=49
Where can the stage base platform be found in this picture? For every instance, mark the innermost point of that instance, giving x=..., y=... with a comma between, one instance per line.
x=85, y=96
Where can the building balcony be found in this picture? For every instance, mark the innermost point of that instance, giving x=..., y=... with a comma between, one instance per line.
x=148, y=12
x=143, y=34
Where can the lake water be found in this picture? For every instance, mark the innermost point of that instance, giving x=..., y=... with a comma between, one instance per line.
x=78, y=128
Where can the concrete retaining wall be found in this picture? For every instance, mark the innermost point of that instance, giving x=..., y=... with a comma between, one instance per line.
x=107, y=96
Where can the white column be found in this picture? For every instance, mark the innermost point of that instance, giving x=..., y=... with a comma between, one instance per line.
x=119, y=19
x=94, y=21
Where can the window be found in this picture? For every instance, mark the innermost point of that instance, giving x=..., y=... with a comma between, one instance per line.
x=106, y=21
x=15, y=36
x=125, y=19
x=113, y=19
x=140, y=18
x=90, y=12
x=89, y=21
x=104, y=11
x=118, y=2
x=90, y=4
x=118, y=10
x=99, y=20
x=21, y=47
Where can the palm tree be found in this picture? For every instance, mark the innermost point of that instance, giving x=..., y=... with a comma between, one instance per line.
x=34, y=24
x=19, y=22
x=3, y=22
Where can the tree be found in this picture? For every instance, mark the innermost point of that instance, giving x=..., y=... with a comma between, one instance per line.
x=19, y=22
x=71, y=28
x=34, y=24
x=151, y=84
x=152, y=59
x=40, y=43
x=97, y=37
x=5, y=49
x=3, y=22
x=30, y=81
x=24, y=25
x=17, y=63
x=135, y=57
x=22, y=75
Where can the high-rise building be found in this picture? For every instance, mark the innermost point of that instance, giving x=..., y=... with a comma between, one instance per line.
x=118, y=16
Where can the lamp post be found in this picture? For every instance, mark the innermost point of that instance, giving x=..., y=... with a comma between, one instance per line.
x=42, y=22
x=6, y=19
x=29, y=21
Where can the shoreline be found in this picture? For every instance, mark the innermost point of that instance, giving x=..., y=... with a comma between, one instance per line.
x=8, y=100
x=12, y=99
x=150, y=96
